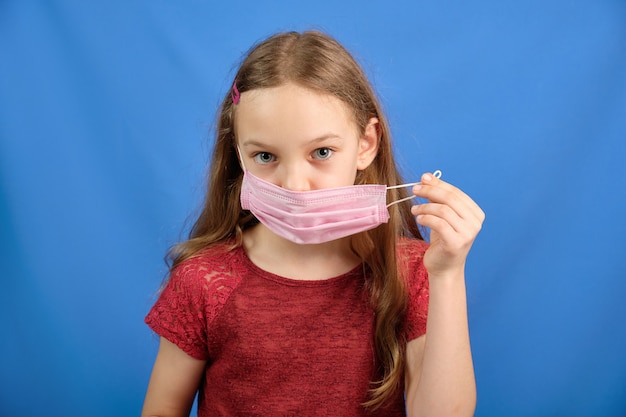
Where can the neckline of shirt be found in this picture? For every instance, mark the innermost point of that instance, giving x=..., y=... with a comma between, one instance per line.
x=331, y=281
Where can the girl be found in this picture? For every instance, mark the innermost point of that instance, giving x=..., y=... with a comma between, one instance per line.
x=299, y=292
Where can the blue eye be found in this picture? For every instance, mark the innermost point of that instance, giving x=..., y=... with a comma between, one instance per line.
x=322, y=153
x=264, y=157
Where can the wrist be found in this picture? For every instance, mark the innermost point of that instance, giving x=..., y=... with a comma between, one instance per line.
x=447, y=275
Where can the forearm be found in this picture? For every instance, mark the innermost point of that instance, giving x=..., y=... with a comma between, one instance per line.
x=446, y=385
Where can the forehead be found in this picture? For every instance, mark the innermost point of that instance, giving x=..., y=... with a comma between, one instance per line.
x=292, y=111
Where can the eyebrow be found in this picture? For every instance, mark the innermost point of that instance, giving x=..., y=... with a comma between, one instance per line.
x=321, y=138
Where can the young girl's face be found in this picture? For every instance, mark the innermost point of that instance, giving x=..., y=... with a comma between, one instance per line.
x=301, y=139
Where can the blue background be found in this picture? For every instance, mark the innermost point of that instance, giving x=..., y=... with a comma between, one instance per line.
x=106, y=111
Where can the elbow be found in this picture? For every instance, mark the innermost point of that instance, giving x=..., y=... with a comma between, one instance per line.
x=465, y=407
x=462, y=409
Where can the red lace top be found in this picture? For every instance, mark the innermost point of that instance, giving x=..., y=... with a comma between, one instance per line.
x=276, y=346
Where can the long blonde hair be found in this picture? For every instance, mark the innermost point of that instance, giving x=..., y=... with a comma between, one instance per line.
x=316, y=61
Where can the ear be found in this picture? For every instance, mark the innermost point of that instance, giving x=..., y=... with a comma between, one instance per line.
x=368, y=144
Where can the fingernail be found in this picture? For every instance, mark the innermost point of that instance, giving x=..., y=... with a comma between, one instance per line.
x=427, y=177
x=417, y=187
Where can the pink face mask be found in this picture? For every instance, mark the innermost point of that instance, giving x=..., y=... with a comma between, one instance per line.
x=319, y=216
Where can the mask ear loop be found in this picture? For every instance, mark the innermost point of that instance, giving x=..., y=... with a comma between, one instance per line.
x=240, y=157
x=235, y=96
x=436, y=174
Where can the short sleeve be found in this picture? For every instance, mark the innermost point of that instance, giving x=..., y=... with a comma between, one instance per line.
x=179, y=314
x=410, y=257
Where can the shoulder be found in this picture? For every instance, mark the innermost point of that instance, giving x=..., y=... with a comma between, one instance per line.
x=410, y=256
x=215, y=263
x=411, y=247
x=205, y=280
x=410, y=253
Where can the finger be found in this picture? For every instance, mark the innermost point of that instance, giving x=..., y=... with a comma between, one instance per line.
x=453, y=238
x=441, y=211
x=442, y=219
x=446, y=235
x=439, y=191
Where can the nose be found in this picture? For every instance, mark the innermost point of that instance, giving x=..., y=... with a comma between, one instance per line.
x=295, y=178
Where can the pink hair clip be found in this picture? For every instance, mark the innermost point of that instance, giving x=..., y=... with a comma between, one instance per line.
x=235, y=93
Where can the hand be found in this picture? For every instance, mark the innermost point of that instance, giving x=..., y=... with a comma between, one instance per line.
x=454, y=220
